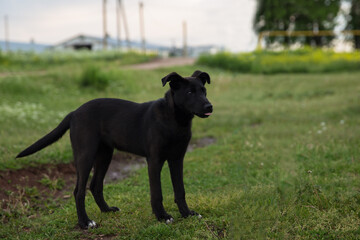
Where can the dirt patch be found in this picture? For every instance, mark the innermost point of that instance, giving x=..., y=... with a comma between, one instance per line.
x=44, y=180
x=200, y=143
x=58, y=181
x=163, y=62
x=122, y=165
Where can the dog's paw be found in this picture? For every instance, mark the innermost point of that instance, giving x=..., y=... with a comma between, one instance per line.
x=169, y=221
x=91, y=224
x=110, y=209
x=88, y=224
x=191, y=213
x=166, y=217
x=113, y=209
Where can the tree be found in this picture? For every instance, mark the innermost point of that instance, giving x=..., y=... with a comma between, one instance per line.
x=297, y=15
x=354, y=21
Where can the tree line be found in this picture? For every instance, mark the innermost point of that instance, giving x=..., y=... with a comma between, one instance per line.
x=306, y=15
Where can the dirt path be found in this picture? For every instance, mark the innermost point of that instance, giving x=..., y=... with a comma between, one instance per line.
x=163, y=62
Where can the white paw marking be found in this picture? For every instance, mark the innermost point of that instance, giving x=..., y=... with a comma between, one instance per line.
x=92, y=224
x=199, y=216
x=168, y=221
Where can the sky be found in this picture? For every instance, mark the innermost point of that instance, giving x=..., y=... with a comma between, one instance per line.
x=226, y=23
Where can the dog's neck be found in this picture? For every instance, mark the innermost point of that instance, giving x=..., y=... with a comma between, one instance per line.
x=182, y=117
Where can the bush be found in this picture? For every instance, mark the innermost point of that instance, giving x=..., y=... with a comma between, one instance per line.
x=305, y=60
x=93, y=77
x=3, y=58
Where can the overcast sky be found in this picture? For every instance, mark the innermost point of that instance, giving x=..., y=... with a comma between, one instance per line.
x=221, y=22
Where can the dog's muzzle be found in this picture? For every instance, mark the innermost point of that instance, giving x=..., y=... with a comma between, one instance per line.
x=207, y=111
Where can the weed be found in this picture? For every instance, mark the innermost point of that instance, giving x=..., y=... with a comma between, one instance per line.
x=52, y=184
x=17, y=205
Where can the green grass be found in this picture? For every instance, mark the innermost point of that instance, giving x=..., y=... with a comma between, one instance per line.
x=285, y=165
x=305, y=60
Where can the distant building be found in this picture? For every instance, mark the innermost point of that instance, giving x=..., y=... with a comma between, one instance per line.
x=83, y=42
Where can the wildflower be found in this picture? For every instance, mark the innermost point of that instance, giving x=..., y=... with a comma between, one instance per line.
x=309, y=171
x=342, y=121
x=319, y=132
x=323, y=124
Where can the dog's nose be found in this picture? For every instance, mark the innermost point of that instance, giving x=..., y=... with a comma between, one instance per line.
x=208, y=107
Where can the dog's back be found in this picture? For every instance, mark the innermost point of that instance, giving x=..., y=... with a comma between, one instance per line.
x=118, y=123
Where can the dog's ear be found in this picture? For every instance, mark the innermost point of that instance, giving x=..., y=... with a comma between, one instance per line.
x=203, y=76
x=174, y=80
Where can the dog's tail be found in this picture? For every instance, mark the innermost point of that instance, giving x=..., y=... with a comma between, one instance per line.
x=49, y=138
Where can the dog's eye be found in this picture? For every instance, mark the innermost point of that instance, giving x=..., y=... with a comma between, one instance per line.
x=189, y=92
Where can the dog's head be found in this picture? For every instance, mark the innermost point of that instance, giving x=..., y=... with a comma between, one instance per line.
x=189, y=93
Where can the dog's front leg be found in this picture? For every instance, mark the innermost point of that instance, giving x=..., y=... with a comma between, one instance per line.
x=154, y=170
x=176, y=170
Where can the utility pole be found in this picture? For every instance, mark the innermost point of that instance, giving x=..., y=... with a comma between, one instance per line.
x=32, y=43
x=7, y=47
x=118, y=26
x=104, y=26
x=122, y=8
x=185, y=50
x=142, y=29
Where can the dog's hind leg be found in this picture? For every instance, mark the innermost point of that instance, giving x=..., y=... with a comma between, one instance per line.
x=84, y=149
x=80, y=192
x=101, y=165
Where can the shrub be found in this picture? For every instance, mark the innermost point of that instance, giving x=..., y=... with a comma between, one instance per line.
x=93, y=77
x=305, y=60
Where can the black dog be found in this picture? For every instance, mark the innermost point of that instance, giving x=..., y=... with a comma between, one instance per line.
x=159, y=130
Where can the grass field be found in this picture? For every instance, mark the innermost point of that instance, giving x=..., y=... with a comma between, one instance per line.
x=285, y=165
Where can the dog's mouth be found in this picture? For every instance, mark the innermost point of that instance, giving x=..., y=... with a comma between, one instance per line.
x=204, y=115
